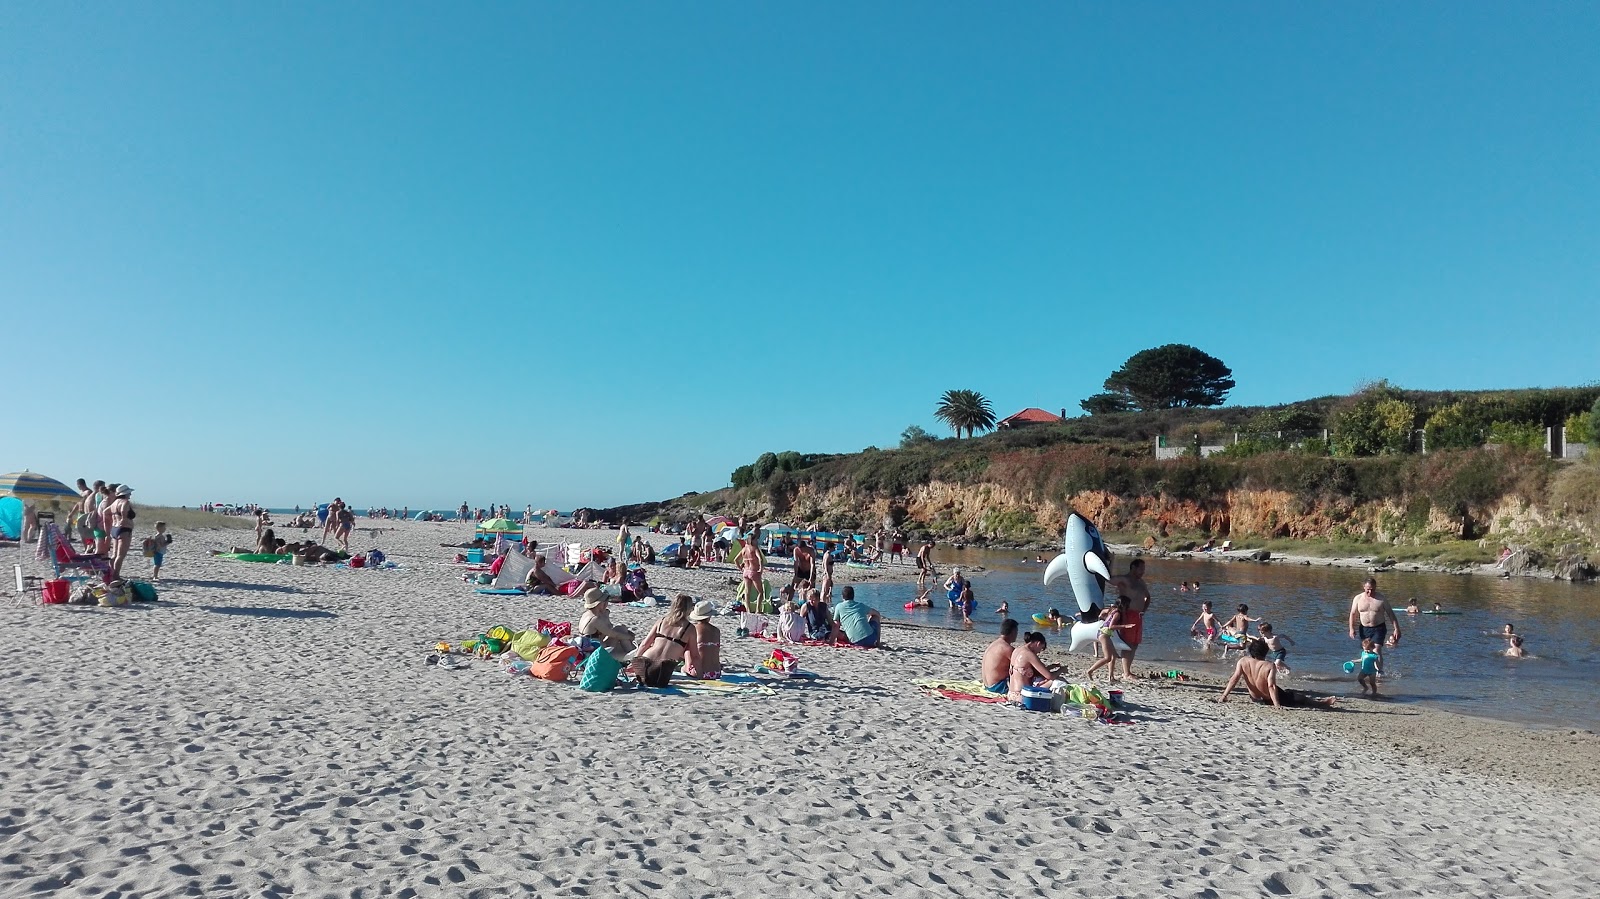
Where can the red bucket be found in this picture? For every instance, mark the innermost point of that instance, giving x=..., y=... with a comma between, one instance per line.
x=56, y=592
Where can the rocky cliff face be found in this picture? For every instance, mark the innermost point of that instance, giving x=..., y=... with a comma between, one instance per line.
x=991, y=513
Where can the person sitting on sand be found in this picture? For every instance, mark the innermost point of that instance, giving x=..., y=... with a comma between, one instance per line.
x=855, y=622
x=1261, y=679
x=665, y=645
x=791, y=624
x=1026, y=668
x=1206, y=624
x=267, y=543
x=703, y=658
x=539, y=580
x=596, y=624
x=997, y=658
x=819, y=621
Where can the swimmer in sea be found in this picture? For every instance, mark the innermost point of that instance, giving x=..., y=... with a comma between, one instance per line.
x=1513, y=640
x=1004, y=608
x=1411, y=606
x=1437, y=608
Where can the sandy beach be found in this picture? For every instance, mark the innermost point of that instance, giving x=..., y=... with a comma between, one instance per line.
x=272, y=731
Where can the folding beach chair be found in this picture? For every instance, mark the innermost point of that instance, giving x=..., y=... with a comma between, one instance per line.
x=55, y=548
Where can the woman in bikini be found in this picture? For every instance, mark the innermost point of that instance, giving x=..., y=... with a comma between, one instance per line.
x=750, y=566
x=666, y=645
x=704, y=652
x=1110, y=623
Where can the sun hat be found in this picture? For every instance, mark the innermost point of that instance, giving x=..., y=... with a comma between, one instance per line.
x=594, y=596
x=124, y=490
x=703, y=610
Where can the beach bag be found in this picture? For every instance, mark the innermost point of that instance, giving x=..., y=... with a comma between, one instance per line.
x=149, y=547
x=116, y=595
x=657, y=673
x=553, y=629
x=528, y=643
x=555, y=663
x=56, y=592
x=600, y=672
x=142, y=592
x=358, y=561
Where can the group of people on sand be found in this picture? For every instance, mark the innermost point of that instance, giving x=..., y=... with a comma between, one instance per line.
x=103, y=519
x=683, y=636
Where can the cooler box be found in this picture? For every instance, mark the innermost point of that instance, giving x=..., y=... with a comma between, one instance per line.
x=1039, y=699
x=475, y=556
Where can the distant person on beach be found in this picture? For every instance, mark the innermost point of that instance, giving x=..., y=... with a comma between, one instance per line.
x=1206, y=624
x=84, y=509
x=1261, y=679
x=158, y=549
x=997, y=658
x=802, y=562
x=1371, y=616
x=463, y=513
x=1027, y=670
x=925, y=557
x=826, y=586
x=1132, y=587
x=819, y=621
x=969, y=604
x=1004, y=609
x=924, y=598
x=855, y=622
x=1411, y=606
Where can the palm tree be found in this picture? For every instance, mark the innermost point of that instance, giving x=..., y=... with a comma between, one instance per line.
x=965, y=409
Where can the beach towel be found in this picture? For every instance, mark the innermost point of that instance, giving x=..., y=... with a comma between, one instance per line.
x=828, y=643
x=727, y=685
x=966, y=690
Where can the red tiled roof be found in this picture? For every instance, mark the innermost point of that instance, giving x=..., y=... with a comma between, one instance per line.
x=1032, y=416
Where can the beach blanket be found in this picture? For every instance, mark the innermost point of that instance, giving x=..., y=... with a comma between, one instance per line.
x=829, y=643
x=966, y=690
x=500, y=591
x=727, y=685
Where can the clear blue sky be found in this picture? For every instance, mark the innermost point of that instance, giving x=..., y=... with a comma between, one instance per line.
x=558, y=253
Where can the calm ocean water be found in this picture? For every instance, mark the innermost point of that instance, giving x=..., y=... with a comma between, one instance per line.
x=1450, y=661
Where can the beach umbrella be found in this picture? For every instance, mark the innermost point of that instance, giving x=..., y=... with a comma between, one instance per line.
x=27, y=486
x=500, y=526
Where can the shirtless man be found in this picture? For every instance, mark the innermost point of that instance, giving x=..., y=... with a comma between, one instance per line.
x=925, y=557
x=1371, y=616
x=997, y=658
x=1261, y=679
x=1132, y=586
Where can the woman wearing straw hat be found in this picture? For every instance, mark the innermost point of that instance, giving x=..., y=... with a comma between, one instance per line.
x=596, y=624
x=705, y=649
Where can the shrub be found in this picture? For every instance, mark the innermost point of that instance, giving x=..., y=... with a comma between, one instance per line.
x=1579, y=427
x=1453, y=427
x=1575, y=490
x=1521, y=435
x=1377, y=423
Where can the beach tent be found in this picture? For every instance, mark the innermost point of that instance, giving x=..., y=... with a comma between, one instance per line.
x=422, y=516
x=10, y=517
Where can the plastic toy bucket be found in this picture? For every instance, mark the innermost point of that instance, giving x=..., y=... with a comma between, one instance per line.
x=56, y=592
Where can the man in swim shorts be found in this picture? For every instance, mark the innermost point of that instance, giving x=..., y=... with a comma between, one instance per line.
x=1372, y=619
x=1133, y=587
x=1261, y=679
x=997, y=658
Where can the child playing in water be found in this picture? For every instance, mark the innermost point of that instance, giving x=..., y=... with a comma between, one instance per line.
x=1411, y=606
x=1368, y=666
x=969, y=604
x=1513, y=640
x=1205, y=624
x=1004, y=609
x=1239, y=624
x=1275, y=651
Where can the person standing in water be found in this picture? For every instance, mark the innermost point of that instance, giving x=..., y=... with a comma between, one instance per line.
x=1371, y=616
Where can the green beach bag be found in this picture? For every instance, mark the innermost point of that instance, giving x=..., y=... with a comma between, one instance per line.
x=600, y=672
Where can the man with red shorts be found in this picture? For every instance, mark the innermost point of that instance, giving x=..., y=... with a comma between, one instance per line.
x=1132, y=586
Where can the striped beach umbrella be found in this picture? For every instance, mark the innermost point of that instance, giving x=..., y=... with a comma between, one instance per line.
x=25, y=485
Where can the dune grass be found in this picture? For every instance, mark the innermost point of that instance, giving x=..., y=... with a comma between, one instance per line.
x=191, y=519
